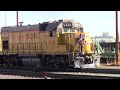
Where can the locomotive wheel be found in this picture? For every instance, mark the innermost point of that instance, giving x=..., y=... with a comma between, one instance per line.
x=7, y=60
x=19, y=62
x=61, y=63
x=66, y=63
x=13, y=61
x=1, y=61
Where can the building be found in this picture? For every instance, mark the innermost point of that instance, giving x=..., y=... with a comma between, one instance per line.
x=105, y=38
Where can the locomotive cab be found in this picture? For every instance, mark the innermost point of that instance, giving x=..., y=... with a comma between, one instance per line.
x=69, y=35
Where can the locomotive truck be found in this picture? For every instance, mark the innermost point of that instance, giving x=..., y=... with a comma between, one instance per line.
x=48, y=44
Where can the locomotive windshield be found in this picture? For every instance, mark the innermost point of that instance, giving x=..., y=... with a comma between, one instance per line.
x=71, y=26
x=68, y=30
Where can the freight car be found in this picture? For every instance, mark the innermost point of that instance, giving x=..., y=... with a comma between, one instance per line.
x=48, y=44
x=108, y=55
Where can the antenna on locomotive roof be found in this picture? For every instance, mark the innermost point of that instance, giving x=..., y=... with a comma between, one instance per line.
x=74, y=18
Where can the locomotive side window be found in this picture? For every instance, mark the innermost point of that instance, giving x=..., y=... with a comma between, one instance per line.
x=51, y=33
x=81, y=29
x=5, y=44
x=67, y=30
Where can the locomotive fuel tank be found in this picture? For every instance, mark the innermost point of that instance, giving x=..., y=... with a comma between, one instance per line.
x=30, y=60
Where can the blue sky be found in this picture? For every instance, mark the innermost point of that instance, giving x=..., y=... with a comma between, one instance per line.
x=95, y=22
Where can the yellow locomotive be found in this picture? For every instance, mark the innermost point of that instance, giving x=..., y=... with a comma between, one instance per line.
x=47, y=44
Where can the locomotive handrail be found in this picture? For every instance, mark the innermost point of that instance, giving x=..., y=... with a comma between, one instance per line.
x=74, y=53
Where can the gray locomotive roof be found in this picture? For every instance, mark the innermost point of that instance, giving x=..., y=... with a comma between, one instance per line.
x=43, y=27
x=48, y=26
x=52, y=26
x=20, y=28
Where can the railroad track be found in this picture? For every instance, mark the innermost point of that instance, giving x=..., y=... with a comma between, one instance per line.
x=97, y=73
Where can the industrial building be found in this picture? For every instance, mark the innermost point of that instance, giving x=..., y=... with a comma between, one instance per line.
x=106, y=37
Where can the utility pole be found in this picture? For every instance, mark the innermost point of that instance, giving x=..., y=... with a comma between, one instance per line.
x=117, y=39
x=17, y=18
x=5, y=18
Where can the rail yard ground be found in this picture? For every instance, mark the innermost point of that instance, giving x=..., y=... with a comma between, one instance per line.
x=102, y=72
